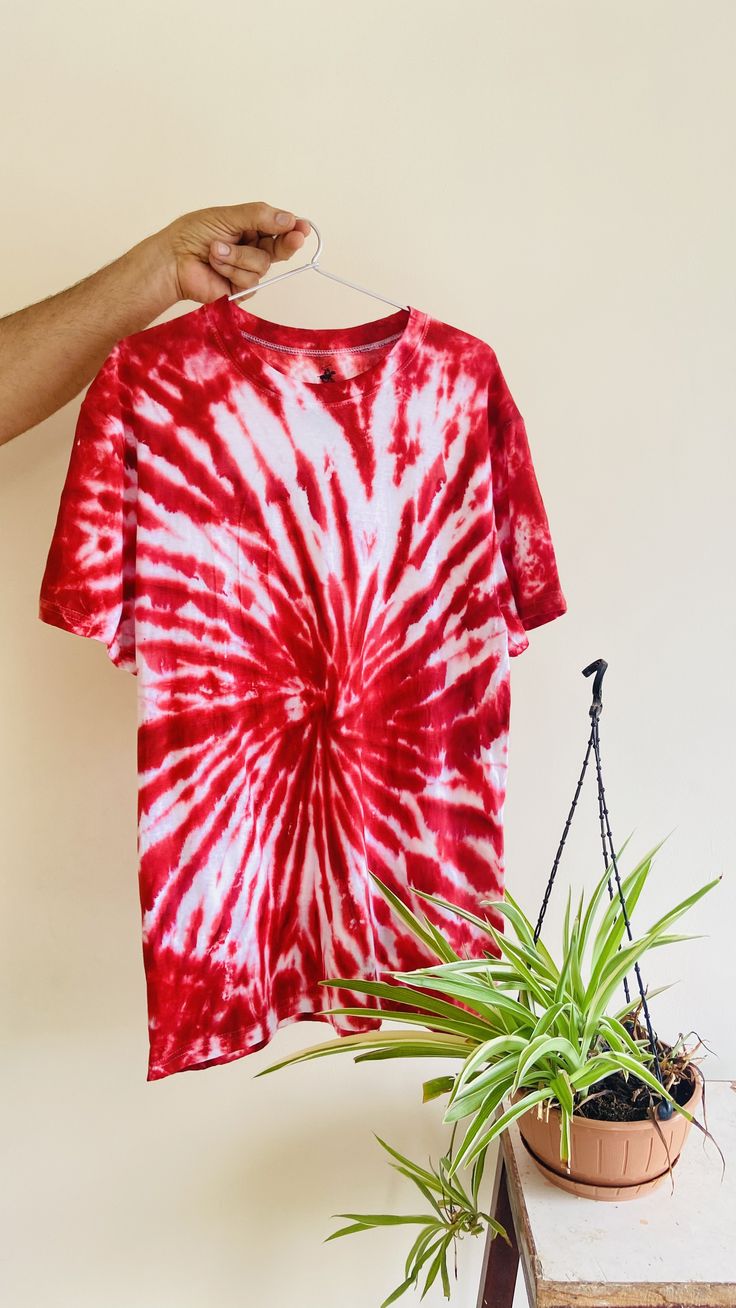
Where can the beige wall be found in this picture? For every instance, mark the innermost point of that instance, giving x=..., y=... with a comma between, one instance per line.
x=556, y=178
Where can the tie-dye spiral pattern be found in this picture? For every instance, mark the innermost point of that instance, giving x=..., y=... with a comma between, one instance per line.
x=317, y=551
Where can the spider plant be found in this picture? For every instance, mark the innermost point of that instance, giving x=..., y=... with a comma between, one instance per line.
x=523, y=1026
x=527, y=1030
x=453, y=1213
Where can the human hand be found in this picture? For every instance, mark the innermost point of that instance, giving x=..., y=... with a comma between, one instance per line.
x=50, y=350
x=195, y=268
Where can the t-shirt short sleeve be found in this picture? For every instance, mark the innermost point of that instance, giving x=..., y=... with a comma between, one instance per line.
x=88, y=582
x=533, y=591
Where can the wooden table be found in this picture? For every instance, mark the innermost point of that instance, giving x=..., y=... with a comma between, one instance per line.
x=663, y=1249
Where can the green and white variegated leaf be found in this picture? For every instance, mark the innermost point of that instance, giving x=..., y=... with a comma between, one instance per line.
x=542, y=1048
x=495, y=1080
x=467, y=1152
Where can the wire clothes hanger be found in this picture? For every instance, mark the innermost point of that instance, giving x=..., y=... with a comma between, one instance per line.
x=314, y=264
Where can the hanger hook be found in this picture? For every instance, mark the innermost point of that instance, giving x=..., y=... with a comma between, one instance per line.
x=318, y=251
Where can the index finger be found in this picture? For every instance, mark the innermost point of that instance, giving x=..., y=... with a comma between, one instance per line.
x=282, y=247
x=260, y=219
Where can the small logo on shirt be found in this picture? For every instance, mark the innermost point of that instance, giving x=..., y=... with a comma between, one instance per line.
x=327, y=375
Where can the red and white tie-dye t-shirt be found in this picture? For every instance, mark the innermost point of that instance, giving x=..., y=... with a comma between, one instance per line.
x=317, y=550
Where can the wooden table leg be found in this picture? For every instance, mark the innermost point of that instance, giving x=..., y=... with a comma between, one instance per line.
x=500, y=1260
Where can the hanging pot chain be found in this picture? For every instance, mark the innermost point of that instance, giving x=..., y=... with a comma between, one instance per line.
x=561, y=846
x=598, y=667
x=595, y=711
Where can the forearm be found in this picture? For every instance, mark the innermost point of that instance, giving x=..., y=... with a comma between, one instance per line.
x=58, y=345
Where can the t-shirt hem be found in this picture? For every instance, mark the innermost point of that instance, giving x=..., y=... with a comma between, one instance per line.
x=84, y=624
x=531, y=620
x=58, y=615
x=225, y=1047
x=518, y=639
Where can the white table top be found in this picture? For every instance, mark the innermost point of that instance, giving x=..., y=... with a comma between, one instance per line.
x=665, y=1239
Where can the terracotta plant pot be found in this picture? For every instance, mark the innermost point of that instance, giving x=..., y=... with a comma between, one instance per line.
x=608, y=1160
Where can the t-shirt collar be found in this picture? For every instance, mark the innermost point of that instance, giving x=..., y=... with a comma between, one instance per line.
x=232, y=324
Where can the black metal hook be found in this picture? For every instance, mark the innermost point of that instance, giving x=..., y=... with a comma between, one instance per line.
x=599, y=667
